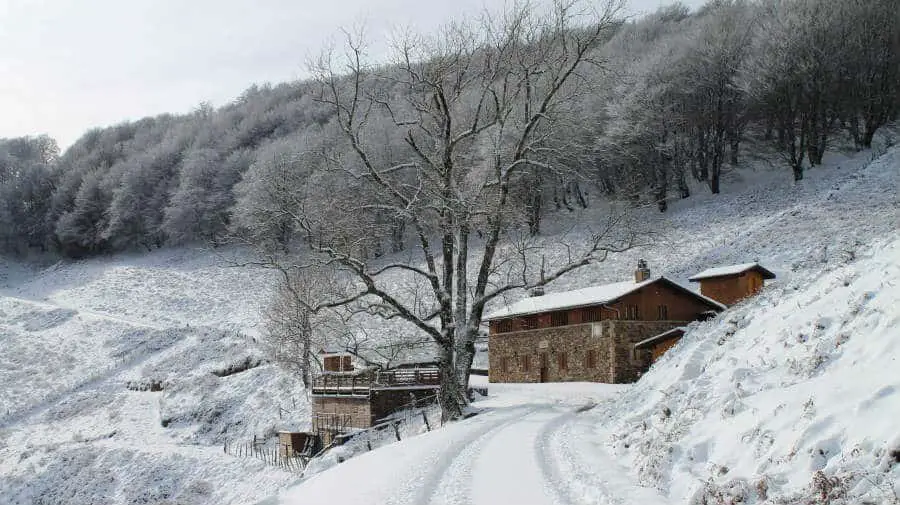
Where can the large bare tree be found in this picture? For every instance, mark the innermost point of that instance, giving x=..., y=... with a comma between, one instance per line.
x=477, y=108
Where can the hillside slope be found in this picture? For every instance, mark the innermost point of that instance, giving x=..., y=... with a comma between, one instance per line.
x=788, y=398
x=77, y=334
x=800, y=380
x=85, y=347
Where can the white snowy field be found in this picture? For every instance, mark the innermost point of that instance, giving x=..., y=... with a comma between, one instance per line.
x=79, y=342
x=73, y=337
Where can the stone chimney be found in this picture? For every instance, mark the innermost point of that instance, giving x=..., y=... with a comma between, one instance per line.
x=642, y=273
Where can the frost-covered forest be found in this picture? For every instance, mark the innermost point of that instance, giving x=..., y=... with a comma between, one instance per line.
x=667, y=97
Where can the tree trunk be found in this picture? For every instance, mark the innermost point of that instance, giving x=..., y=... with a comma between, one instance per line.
x=798, y=171
x=398, y=234
x=534, y=210
x=714, y=181
x=853, y=126
x=465, y=356
x=683, y=190
x=703, y=157
x=448, y=396
x=735, y=150
x=579, y=195
x=869, y=134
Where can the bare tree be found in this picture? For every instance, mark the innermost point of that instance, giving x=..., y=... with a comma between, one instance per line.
x=477, y=107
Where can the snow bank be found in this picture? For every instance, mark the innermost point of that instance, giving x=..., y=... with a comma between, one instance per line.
x=793, y=395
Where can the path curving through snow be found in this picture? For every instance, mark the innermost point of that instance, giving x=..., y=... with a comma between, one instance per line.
x=528, y=446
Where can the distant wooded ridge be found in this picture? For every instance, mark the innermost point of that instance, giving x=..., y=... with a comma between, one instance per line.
x=671, y=96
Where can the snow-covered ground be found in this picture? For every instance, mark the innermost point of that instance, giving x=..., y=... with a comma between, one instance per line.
x=791, y=397
x=81, y=345
x=800, y=379
x=804, y=378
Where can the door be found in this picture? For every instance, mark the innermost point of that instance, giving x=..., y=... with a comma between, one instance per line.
x=544, y=370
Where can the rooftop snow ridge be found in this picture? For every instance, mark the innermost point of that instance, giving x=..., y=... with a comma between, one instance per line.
x=569, y=299
x=583, y=297
x=732, y=270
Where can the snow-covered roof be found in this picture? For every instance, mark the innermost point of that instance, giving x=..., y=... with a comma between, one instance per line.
x=594, y=295
x=727, y=270
x=330, y=353
x=666, y=335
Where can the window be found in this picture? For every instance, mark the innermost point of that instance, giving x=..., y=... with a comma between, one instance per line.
x=631, y=312
x=530, y=323
x=561, y=360
x=504, y=364
x=592, y=315
x=559, y=319
x=662, y=311
x=337, y=363
x=590, y=359
x=504, y=326
x=526, y=363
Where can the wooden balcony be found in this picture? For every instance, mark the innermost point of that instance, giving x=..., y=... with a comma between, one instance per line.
x=345, y=384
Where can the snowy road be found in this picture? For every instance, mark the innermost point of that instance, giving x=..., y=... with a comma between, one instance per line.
x=530, y=446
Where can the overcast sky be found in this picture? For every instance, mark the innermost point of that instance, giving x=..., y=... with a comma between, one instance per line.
x=69, y=65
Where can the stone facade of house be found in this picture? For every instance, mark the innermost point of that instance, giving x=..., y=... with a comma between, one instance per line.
x=598, y=352
x=339, y=412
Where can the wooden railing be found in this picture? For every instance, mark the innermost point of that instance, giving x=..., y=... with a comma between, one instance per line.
x=360, y=385
x=408, y=377
x=349, y=385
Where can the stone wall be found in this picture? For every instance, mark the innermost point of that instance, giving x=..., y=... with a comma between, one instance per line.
x=628, y=364
x=596, y=352
x=365, y=411
x=357, y=407
x=384, y=402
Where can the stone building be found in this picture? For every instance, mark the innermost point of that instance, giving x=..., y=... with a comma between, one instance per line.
x=346, y=398
x=589, y=334
x=731, y=284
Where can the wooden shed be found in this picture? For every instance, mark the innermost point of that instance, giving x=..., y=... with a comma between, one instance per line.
x=732, y=283
x=336, y=361
x=295, y=443
x=659, y=344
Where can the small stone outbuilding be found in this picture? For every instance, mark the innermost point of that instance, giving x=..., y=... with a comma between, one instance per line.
x=358, y=399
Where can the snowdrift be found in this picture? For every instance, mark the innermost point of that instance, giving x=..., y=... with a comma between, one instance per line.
x=791, y=397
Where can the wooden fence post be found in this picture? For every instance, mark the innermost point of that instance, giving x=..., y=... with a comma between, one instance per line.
x=425, y=418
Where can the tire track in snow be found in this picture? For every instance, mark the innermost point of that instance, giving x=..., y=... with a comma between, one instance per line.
x=425, y=486
x=457, y=479
x=560, y=479
x=574, y=483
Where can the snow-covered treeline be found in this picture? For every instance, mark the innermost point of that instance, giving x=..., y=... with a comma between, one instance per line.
x=670, y=96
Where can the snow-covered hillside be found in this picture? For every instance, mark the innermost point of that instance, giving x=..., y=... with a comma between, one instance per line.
x=79, y=340
x=84, y=343
x=800, y=380
x=790, y=397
